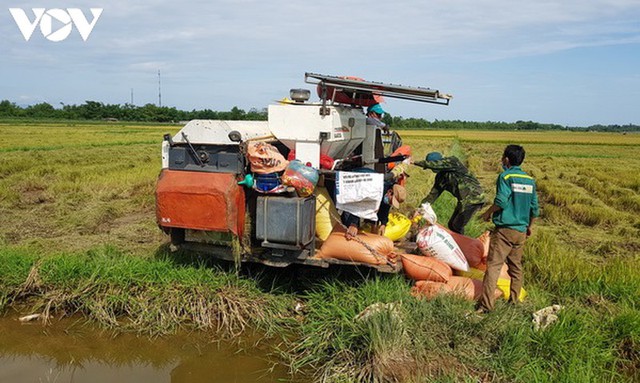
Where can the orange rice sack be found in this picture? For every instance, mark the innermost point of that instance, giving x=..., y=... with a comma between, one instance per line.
x=504, y=272
x=422, y=268
x=428, y=289
x=485, y=238
x=460, y=286
x=466, y=288
x=338, y=247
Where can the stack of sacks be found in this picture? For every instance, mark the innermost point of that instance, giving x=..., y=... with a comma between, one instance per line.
x=434, y=277
x=336, y=246
x=452, y=263
x=465, y=257
x=467, y=283
x=477, y=271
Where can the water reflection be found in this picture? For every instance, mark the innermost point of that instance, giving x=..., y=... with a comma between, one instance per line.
x=70, y=351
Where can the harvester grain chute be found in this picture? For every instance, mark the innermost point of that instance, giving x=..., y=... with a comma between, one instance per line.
x=203, y=203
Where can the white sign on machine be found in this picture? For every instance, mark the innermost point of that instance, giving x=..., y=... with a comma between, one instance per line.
x=359, y=193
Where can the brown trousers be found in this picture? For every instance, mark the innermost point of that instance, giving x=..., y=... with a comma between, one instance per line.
x=506, y=245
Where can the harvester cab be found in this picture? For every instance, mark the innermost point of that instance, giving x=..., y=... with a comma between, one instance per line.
x=213, y=197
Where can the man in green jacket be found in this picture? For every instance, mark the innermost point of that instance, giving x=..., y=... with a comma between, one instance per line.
x=453, y=176
x=513, y=212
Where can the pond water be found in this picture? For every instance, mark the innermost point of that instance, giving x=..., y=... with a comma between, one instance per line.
x=72, y=351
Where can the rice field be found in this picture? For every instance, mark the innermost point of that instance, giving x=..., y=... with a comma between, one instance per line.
x=588, y=183
x=72, y=187
x=78, y=235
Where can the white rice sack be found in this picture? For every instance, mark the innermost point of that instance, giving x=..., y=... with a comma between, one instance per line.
x=435, y=242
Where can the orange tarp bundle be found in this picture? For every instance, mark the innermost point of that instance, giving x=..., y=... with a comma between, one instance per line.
x=200, y=201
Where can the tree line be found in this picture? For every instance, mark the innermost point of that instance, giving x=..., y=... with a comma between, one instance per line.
x=94, y=110
x=419, y=123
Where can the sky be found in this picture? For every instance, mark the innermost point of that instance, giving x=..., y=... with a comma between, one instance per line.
x=570, y=62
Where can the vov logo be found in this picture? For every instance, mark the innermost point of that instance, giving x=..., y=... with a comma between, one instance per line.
x=62, y=20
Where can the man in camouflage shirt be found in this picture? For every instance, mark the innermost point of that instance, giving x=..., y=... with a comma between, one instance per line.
x=453, y=176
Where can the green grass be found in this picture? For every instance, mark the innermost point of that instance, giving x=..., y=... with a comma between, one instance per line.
x=78, y=237
x=595, y=340
x=154, y=296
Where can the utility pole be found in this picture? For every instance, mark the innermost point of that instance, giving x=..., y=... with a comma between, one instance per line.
x=131, y=96
x=159, y=90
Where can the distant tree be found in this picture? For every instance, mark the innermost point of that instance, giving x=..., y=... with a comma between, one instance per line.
x=255, y=115
x=9, y=109
x=41, y=110
x=91, y=110
x=387, y=119
x=236, y=114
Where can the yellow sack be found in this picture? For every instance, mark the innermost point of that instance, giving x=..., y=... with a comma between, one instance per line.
x=503, y=283
x=327, y=216
x=397, y=227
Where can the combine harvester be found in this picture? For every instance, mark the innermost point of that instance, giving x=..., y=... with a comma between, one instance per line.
x=202, y=206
